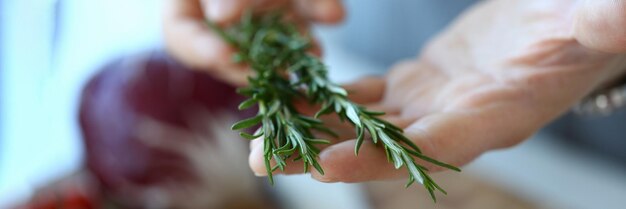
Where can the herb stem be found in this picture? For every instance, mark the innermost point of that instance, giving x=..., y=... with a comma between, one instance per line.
x=285, y=71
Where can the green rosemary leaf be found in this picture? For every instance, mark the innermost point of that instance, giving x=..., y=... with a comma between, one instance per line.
x=310, y=120
x=338, y=108
x=353, y=116
x=274, y=108
x=413, y=169
x=373, y=133
x=286, y=150
x=409, y=182
x=359, y=140
x=389, y=126
x=400, y=137
x=280, y=163
x=249, y=136
x=245, y=91
x=432, y=194
x=373, y=113
x=337, y=90
x=299, y=157
x=318, y=141
x=267, y=160
x=433, y=161
x=327, y=108
x=247, y=104
x=247, y=123
x=317, y=167
x=397, y=160
x=438, y=187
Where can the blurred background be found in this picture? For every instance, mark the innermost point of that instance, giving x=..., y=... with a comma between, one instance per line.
x=49, y=50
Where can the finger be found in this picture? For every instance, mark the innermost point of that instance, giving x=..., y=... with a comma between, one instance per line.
x=188, y=39
x=224, y=11
x=341, y=164
x=192, y=43
x=256, y=160
x=601, y=25
x=235, y=74
x=366, y=90
x=322, y=11
x=229, y=11
x=454, y=138
x=256, y=157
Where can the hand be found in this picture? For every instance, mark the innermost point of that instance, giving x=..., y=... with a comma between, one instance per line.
x=189, y=39
x=500, y=73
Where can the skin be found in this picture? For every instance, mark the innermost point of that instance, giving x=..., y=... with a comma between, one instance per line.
x=499, y=73
x=189, y=39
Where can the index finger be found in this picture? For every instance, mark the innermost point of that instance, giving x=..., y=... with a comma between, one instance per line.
x=188, y=38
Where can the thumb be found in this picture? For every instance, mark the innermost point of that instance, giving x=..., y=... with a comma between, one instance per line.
x=601, y=25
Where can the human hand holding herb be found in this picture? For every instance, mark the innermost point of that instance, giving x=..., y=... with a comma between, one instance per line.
x=496, y=76
x=269, y=90
x=189, y=40
x=285, y=73
x=500, y=73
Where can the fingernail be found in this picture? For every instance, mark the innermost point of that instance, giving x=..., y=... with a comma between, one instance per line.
x=222, y=10
x=260, y=174
x=321, y=178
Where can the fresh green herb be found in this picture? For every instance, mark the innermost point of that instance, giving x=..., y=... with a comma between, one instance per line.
x=286, y=71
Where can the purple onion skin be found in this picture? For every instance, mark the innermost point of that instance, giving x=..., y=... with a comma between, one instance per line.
x=127, y=90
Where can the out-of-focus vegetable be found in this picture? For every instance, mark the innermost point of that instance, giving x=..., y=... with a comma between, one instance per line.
x=157, y=136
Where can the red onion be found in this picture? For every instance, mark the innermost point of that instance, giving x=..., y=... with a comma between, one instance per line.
x=157, y=136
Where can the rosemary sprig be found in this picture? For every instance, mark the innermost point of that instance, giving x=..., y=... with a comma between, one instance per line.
x=285, y=71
